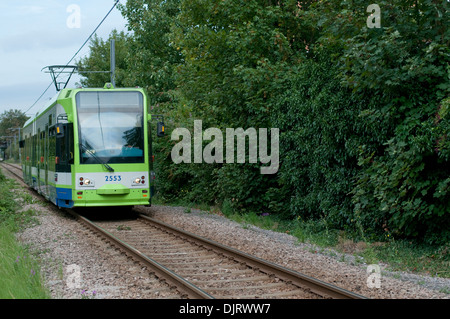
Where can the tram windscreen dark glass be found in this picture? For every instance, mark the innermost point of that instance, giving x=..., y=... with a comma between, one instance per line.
x=110, y=127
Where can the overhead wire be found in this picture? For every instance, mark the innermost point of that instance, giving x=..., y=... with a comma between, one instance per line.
x=73, y=57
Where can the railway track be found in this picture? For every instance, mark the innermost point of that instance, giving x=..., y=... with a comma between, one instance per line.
x=15, y=169
x=200, y=268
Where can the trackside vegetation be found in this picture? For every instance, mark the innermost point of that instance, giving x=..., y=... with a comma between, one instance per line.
x=363, y=112
x=19, y=270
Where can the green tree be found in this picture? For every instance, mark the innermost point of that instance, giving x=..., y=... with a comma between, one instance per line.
x=237, y=56
x=11, y=122
x=11, y=119
x=99, y=60
x=152, y=56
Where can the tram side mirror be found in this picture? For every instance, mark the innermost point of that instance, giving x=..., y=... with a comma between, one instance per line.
x=59, y=130
x=160, y=129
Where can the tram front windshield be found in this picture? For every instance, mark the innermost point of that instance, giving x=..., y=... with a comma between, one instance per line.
x=110, y=127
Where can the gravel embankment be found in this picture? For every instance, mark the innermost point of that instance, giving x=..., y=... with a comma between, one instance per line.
x=60, y=242
x=65, y=247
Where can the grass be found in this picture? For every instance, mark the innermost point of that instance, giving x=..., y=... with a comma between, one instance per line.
x=399, y=255
x=415, y=257
x=19, y=270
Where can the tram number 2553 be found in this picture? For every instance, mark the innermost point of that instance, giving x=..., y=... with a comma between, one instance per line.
x=113, y=178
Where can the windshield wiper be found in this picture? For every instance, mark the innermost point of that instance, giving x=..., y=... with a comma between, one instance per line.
x=109, y=168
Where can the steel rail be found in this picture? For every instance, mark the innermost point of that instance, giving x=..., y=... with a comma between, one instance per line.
x=6, y=165
x=315, y=285
x=191, y=290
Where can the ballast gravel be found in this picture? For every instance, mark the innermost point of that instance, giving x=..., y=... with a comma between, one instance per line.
x=76, y=264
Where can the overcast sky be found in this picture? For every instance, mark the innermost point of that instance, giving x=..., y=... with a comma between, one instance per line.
x=38, y=33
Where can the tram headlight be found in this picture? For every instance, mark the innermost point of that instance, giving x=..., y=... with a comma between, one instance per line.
x=86, y=182
x=138, y=181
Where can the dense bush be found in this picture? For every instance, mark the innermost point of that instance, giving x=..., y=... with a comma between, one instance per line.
x=402, y=186
x=406, y=190
x=321, y=132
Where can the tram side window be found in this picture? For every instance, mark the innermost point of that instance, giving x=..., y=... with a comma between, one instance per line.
x=28, y=147
x=33, y=154
x=52, y=142
x=42, y=150
x=38, y=147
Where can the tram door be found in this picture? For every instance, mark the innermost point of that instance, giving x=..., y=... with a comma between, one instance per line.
x=46, y=152
x=39, y=160
x=34, y=139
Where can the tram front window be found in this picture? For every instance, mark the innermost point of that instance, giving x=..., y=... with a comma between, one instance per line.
x=110, y=127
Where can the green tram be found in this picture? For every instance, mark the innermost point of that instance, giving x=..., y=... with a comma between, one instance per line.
x=91, y=147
